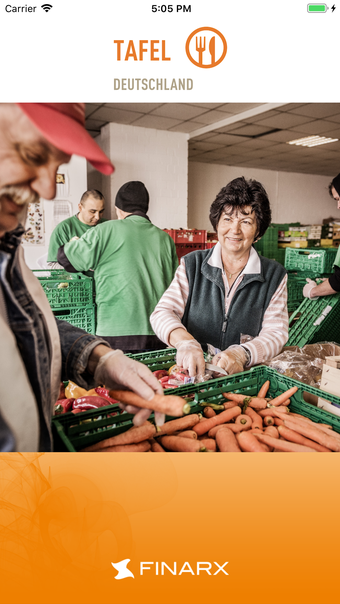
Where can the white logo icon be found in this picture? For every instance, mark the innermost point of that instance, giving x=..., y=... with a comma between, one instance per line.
x=123, y=571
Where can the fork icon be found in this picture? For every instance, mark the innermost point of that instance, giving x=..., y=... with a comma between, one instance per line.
x=200, y=47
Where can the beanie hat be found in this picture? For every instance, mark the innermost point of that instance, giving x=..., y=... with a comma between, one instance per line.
x=133, y=197
x=336, y=184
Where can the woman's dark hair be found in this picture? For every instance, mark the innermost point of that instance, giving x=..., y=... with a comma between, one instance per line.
x=239, y=193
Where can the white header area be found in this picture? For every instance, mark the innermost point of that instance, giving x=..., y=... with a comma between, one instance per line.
x=276, y=51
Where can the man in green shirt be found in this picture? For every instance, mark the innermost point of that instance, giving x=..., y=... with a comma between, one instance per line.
x=91, y=208
x=134, y=263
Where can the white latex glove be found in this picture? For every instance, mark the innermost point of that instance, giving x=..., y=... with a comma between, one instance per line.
x=308, y=289
x=232, y=360
x=118, y=371
x=190, y=356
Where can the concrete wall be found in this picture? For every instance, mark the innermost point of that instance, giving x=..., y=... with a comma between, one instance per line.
x=156, y=157
x=294, y=197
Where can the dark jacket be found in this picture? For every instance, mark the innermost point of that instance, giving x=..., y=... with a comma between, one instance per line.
x=22, y=314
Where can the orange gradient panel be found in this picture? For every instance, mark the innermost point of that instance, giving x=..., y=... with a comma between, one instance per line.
x=64, y=518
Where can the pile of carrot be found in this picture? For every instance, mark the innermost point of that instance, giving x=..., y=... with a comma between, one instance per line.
x=246, y=424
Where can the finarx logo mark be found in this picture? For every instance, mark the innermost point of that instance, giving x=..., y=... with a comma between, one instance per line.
x=123, y=571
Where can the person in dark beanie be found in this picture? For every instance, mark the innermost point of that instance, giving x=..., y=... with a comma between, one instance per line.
x=133, y=197
x=134, y=263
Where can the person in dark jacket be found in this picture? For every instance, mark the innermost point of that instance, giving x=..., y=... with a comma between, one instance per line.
x=36, y=352
x=332, y=284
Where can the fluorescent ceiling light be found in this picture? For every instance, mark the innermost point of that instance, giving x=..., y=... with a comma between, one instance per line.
x=312, y=141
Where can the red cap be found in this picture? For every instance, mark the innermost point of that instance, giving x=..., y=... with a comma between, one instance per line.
x=63, y=125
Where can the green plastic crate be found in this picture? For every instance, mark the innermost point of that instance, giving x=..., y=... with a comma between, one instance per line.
x=83, y=317
x=279, y=256
x=268, y=245
x=157, y=359
x=317, y=260
x=75, y=432
x=295, y=285
x=285, y=226
x=66, y=290
x=315, y=321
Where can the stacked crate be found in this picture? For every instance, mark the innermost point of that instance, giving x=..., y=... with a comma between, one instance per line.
x=295, y=236
x=211, y=240
x=295, y=284
x=336, y=234
x=268, y=245
x=71, y=297
x=188, y=240
x=302, y=264
x=315, y=321
x=315, y=260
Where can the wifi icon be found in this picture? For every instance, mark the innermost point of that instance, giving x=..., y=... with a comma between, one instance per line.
x=46, y=7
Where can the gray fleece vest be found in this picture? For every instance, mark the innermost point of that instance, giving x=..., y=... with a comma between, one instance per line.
x=204, y=316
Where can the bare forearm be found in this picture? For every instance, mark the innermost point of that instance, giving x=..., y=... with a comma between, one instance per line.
x=323, y=289
x=179, y=334
x=94, y=357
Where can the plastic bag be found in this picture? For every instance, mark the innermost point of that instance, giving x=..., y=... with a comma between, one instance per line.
x=304, y=364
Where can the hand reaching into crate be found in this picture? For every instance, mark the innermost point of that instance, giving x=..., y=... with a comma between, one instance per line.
x=116, y=370
x=307, y=290
x=190, y=356
x=323, y=288
x=232, y=360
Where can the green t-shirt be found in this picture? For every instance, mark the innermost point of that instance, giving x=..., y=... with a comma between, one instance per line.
x=337, y=258
x=64, y=231
x=134, y=262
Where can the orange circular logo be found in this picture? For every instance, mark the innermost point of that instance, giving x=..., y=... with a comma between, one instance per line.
x=206, y=47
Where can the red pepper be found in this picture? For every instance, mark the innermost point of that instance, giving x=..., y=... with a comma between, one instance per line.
x=179, y=375
x=104, y=393
x=63, y=406
x=160, y=373
x=85, y=403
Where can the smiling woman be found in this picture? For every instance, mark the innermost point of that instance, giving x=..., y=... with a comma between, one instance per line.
x=228, y=297
x=240, y=215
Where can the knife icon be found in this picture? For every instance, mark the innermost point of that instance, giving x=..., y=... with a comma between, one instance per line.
x=212, y=50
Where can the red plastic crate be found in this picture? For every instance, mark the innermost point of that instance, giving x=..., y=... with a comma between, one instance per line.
x=210, y=244
x=189, y=236
x=185, y=248
x=212, y=236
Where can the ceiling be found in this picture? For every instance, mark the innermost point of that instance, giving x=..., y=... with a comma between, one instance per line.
x=238, y=134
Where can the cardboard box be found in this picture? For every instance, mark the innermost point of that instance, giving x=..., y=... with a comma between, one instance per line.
x=330, y=382
x=333, y=361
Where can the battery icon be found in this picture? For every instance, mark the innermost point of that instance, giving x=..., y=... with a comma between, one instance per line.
x=317, y=8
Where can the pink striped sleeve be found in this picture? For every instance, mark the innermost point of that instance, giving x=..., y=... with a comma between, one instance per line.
x=274, y=332
x=170, y=309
